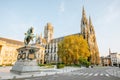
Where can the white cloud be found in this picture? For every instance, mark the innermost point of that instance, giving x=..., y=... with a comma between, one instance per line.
x=62, y=8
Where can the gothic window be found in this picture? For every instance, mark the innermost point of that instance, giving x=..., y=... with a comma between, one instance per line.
x=55, y=49
x=51, y=56
x=47, y=50
x=46, y=47
x=55, y=57
x=51, y=49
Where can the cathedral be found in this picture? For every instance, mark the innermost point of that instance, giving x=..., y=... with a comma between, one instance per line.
x=49, y=45
x=88, y=33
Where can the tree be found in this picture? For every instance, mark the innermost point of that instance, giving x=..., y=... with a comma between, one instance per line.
x=71, y=48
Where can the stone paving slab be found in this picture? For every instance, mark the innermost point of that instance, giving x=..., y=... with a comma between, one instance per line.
x=6, y=74
x=114, y=71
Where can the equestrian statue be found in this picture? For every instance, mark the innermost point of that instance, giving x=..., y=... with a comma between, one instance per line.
x=29, y=36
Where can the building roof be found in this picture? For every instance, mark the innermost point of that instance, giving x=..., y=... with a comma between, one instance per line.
x=11, y=41
x=61, y=38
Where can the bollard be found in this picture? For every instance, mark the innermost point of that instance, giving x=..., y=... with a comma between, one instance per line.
x=14, y=77
x=32, y=75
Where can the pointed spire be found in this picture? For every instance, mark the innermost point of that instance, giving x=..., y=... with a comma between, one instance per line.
x=90, y=22
x=109, y=51
x=83, y=12
x=84, y=22
x=84, y=18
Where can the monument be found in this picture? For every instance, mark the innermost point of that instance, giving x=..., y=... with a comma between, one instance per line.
x=26, y=61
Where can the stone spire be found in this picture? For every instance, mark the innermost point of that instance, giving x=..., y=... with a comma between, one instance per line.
x=83, y=12
x=90, y=22
x=95, y=59
x=84, y=24
x=109, y=51
x=91, y=28
x=84, y=16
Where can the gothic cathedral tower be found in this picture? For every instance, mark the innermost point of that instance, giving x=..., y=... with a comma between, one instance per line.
x=84, y=25
x=48, y=32
x=88, y=32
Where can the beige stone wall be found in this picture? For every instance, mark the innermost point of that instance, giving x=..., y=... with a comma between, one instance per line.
x=8, y=53
x=40, y=55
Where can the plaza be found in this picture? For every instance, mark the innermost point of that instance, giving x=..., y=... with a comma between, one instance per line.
x=59, y=40
x=67, y=73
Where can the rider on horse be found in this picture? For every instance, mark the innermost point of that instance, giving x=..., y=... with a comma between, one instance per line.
x=29, y=36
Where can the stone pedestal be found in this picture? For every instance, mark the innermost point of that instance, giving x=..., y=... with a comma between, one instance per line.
x=26, y=61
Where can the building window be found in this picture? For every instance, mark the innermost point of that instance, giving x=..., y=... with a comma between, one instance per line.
x=51, y=57
x=55, y=49
x=55, y=57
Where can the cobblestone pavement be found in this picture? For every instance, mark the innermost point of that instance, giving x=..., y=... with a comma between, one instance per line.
x=99, y=73
x=6, y=74
x=114, y=71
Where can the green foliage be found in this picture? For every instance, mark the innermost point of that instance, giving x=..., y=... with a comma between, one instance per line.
x=84, y=62
x=46, y=65
x=59, y=65
x=87, y=64
x=53, y=63
x=41, y=64
x=72, y=48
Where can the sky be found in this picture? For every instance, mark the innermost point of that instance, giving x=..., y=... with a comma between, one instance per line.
x=16, y=16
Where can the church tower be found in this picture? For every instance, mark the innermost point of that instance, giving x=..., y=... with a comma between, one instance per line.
x=84, y=25
x=88, y=32
x=95, y=59
x=48, y=32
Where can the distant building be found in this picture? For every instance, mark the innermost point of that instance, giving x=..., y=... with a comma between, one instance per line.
x=106, y=61
x=113, y=59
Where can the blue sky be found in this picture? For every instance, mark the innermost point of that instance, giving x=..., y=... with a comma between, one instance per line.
x=16, y=16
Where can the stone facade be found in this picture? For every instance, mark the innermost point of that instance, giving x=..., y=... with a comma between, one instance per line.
x=8, y=52
x=106, y=61
x=48, y=32
x=88, y=32
x=26, y=61
x=49, y=45
x=113, y=59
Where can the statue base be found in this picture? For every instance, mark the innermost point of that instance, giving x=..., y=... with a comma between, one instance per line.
x=26, y=63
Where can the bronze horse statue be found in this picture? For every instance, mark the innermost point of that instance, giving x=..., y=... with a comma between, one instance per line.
x=29, y=36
